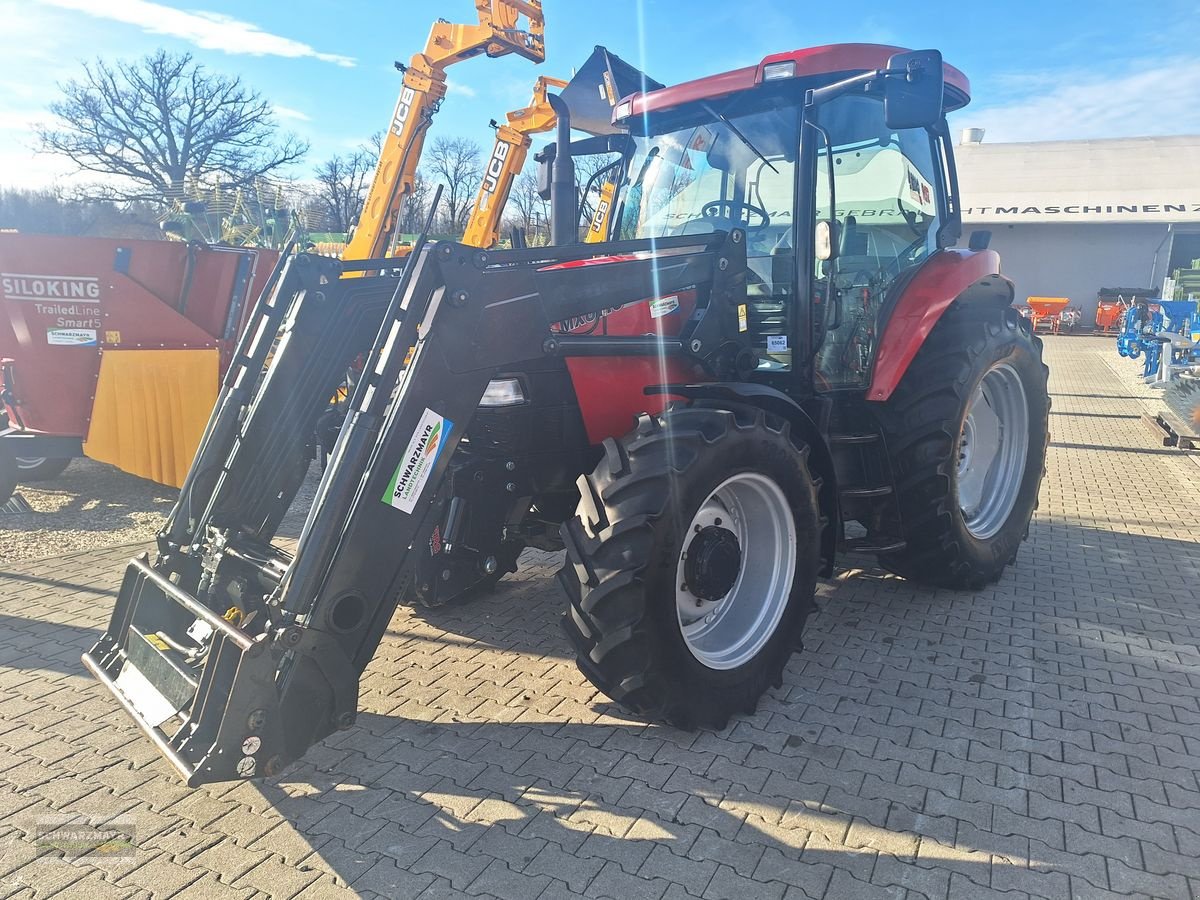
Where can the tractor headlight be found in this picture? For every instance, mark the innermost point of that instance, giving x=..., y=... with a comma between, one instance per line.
x=503, y=392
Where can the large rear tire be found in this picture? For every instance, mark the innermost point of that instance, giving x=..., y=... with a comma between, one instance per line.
x=40, y=468
x=967, y=429
x=692, y=563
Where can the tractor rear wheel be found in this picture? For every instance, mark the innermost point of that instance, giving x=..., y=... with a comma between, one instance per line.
x=40, y=468
x=967, y=429
x=695, y=551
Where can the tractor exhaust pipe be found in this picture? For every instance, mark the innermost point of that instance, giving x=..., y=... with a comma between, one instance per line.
x=563, y=225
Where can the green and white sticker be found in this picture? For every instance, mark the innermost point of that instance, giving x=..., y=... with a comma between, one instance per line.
x=419, y=461
x=663, y=306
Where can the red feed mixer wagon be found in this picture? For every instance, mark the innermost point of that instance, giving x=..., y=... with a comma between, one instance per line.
x=114, y=349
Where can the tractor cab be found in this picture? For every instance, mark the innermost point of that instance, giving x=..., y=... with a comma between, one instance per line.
x=788, y=148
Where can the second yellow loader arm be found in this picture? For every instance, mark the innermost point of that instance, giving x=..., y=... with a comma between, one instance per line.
x=496, y=34
x=513, y=140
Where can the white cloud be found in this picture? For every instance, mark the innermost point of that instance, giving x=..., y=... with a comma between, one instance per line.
x=207, y=30
x=1155, y=97
x=456, y=87
x=286, y=112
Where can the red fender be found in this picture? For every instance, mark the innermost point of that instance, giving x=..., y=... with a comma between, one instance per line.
x=945, y=277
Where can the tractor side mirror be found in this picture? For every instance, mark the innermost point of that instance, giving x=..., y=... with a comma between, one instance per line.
x=912, y=90
x=826, y=240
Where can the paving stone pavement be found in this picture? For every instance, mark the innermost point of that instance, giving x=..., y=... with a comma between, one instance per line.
x=1037, y=738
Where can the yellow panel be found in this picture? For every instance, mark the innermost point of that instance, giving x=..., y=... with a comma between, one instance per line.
x=150, y=410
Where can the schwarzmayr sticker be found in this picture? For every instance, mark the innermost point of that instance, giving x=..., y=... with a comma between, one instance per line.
x=424, y=448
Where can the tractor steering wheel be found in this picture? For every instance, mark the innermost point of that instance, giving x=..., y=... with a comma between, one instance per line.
x=715, y=209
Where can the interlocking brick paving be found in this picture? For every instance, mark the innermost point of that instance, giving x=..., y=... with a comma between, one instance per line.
x=1040, y=737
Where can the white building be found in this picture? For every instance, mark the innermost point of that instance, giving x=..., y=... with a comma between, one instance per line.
x=1071, y=217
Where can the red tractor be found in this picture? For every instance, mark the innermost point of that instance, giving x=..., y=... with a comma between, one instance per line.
x=779, y=340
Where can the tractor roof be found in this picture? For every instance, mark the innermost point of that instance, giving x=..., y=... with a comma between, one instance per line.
x=831, y=59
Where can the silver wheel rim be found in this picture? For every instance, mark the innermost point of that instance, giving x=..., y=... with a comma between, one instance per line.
x=728, y=631
x=992, y=450
x=25, y=463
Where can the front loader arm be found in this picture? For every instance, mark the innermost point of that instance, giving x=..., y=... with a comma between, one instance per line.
x=497, y=33
x=234, y=656
x=513, y=140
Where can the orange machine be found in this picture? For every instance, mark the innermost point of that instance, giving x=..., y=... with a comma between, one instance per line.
x=504, y=26
x=1108, y=315
x=1047, y=312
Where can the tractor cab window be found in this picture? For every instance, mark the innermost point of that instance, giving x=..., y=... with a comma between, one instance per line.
x=707, y=176
x=887, y=189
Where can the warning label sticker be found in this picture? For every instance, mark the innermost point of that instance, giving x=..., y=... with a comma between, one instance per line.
x=424, y=448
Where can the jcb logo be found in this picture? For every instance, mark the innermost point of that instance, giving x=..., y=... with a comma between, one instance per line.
x=495, y=168
x=601, y=216
x=403, y=108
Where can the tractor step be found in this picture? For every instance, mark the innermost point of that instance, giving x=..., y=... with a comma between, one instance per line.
x=854, y=438
x=873, y=544
x=865, y=493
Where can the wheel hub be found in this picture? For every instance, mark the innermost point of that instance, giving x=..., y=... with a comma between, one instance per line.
x=713, y=561
x=735, y=570
x=992, y=449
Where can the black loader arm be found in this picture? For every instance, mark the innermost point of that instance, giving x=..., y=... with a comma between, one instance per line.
x=235, y=656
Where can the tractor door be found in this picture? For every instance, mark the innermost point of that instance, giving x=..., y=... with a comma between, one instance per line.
x=890, y=193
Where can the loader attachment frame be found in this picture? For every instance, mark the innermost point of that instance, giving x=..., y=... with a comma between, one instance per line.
x=235, y=656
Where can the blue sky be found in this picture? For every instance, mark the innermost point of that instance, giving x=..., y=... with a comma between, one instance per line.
x=1039, y=70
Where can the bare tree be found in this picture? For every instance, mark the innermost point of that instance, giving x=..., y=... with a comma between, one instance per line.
x=163, y=126
x=526, y=209
x=456, y=163
x=415, y=210
x=343, y=181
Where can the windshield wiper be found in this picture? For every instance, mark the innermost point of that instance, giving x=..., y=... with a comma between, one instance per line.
x=741, y=137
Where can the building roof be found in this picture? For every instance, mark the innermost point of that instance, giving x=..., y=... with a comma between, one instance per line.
x=1145, y=179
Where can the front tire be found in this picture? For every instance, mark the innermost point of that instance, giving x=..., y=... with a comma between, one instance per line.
x=967, y=429
x=695, y=551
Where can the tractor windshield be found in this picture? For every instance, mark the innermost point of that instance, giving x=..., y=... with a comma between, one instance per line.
x=711, y=175
x=726, y=168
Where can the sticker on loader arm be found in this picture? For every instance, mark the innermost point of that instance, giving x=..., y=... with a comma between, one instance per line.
x=663, y=306
x=418, y=462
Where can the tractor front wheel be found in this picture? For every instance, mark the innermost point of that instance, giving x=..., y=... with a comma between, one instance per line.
x=692, y=563
x=967, y=429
